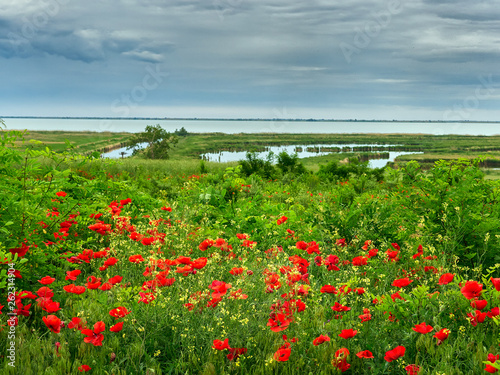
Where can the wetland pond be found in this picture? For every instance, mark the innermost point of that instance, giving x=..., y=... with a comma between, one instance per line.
x=382, y=154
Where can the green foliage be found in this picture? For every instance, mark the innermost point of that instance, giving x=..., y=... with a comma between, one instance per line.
x=255, y=165
x=460, y=208
x=179, y=209
x=290, y=163
x=182, y=132
x=334, y=171
x=158, y=141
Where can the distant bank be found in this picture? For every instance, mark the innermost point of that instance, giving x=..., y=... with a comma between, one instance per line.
x=255, y=125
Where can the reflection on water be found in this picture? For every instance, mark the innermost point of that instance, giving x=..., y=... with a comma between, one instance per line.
x=303, y=151
x=122, y=152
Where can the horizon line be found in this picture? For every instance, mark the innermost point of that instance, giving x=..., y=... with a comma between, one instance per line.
x=241, y=119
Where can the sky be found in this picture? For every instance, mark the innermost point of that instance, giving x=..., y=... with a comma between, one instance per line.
x=356, y=59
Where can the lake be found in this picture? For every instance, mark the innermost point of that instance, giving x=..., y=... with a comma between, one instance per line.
x=303, y=151
x=255, y=126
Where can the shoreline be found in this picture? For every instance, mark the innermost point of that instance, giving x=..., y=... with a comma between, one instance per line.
x=249, y=119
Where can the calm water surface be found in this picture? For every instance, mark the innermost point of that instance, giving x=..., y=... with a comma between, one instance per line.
x=245, y=126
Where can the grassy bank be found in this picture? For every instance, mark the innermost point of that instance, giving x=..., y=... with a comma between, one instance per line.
x=82, y=141
x=433, y=147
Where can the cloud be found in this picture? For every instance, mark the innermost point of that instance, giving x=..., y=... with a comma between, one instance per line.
x=276, y=53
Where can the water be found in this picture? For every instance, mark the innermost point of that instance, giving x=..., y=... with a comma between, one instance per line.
x=246, y=126
x=226, y=156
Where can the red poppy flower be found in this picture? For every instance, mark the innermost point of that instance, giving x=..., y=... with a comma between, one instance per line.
x=495, y=311
x=478, y=304
x=420, y=252
x=281, y=220
x=117, y=327
x=282, y=354
x=61, y=194
x=360, y=261
x=48, y=305
x=146, y=297
x=76, y=323
x=45, y=292
x=124, y=202
x=301, y=245
x=395, y=353
x=161, y=280
x=206, y=244
x=446, y=278
x=496, y=283
x=186, y=270
x=106, y=286
x=234, y=353
x=115, y=279
x=71, y=275
x=146, y=241
x=75, y=289
x=472, y=289
x=489, y=368
x=348, y=333
x=400, y=283
x=360, y=291
x=492, y=359
x=412, y=369
x=365, y=354
x=279, y=322
x=423, y=328
x=320, y=340
x=339, y=308
x=134, y=236
x=442, y=335
x=365, y=317
x=199, y=263
x=47, y=280
x=84, y=368
x=372, y=253
x=136, y=258
x=221, y=345
x=367, y=244
x=93, y=282
x=341, y=242
x=328, y=289
x=119, y=312
x=94, y=337
x=110, y=262
x=342, y=353
x=341, y=363
x=396, y=296
x=53, y=323
x=219, y=288
x=392, y=255
x=236, y=271
x=477, y=317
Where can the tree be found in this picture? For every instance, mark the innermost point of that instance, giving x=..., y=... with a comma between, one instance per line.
x=156, y=140
x=181, y=133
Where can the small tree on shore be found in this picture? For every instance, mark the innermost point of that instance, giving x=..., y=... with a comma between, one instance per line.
x=158, y=142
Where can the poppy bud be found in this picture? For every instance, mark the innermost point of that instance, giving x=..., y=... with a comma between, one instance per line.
x=113, y=357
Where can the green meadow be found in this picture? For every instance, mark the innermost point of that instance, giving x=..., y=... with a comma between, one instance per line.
x=182, y=266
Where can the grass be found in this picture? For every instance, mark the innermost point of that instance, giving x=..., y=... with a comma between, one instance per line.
x=83, y=142
x=434, y=147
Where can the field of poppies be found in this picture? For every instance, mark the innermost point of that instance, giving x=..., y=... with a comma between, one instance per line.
x=109, y=271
